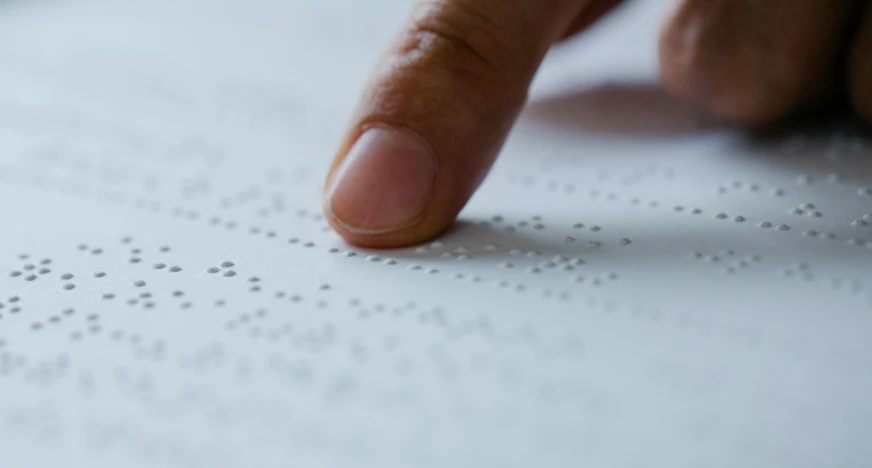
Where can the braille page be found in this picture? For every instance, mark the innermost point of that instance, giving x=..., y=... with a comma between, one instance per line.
x=632, y=286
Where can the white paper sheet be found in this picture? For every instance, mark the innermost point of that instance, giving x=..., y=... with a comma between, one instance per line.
x=620, y=293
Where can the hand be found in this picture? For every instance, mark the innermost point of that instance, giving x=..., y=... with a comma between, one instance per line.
x=442, y=99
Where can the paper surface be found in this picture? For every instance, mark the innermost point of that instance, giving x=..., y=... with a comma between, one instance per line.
x=631, y=287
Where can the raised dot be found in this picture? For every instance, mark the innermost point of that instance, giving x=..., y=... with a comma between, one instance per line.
x=534, y=270
x=139, y=283
x=796, y=211
x=569, y=239
x=592, y=244
x=777, y=192
x=491, y=247
x=436, y=245
x=391, y=261
x=764, y=224
x=624, y=241
x=507, y=265
x=29, y=267
x=721, y=216
x=596, y=228
x=373, y=258
x=739, y=219
x=15, y=274
x=67, y=276
x=108, y=296
x=810, y=233
x=350, y=254
x=864, y=192
x=516, y=252
x=532, y=253
x=44, y=271
x=175, y=269
x=229, y=273
x=463, y=257
x=855, y=242
x=69, y=286
x=14, y=299
x=213, y=270
x=227, y=264
x=333, y=250
x=30, y=277
x=859, y=223
x=814, y=214
x=135, y=260
x=783, y=227
x=447, y=255
x=165, y=249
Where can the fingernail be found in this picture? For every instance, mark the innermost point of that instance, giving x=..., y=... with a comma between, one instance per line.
x=385, y=182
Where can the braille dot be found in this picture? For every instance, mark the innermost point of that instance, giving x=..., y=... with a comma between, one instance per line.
x=108, y=296
x=783, y=227
x=592, y=244
x=739, y=219
x=44, y=271
x=447, y=255
x=145, y=295
x=624, y=241
x=293, y=240
x=67, y=276
x=333, y=250
x=796, y=211
x=99, y=274
x=678, y=208
x=391, y=261
x=159, y=266
x=859, y=223
x=436, y=245
x=491, y=247
x=569, y=239
x=178, y=293
x=139, y=283
x=309, y=244
x=229, y=273
x=165, y=249
x=175, y=269
x=226, y=264
x=373, y=258
x=595, y=228
x=29, y=267
x=15, y=274
x=30, y=277
x=721, y=216
x=212, y=270
x=187, y=305
x=432, y=271
x=803, y=180
x=765, y=224
x=80, y=247
x=14, y=299
x=777, y=192
x=696, y=211
x=69, y=286
x=814, y=214
x=507, y=265
x=810, y=233
x=135, y=260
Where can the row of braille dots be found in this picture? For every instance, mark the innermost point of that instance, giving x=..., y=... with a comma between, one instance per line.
x=92, y=320
x=751, y=187
x=12, y=305
x=31, y=271
x=501, y=284
x=806, y=209
x=735, y=263
x=802, y=271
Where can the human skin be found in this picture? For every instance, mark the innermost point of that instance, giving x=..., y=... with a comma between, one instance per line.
x=444, y=95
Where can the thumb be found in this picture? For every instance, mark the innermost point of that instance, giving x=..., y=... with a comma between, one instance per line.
x=434, y=115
